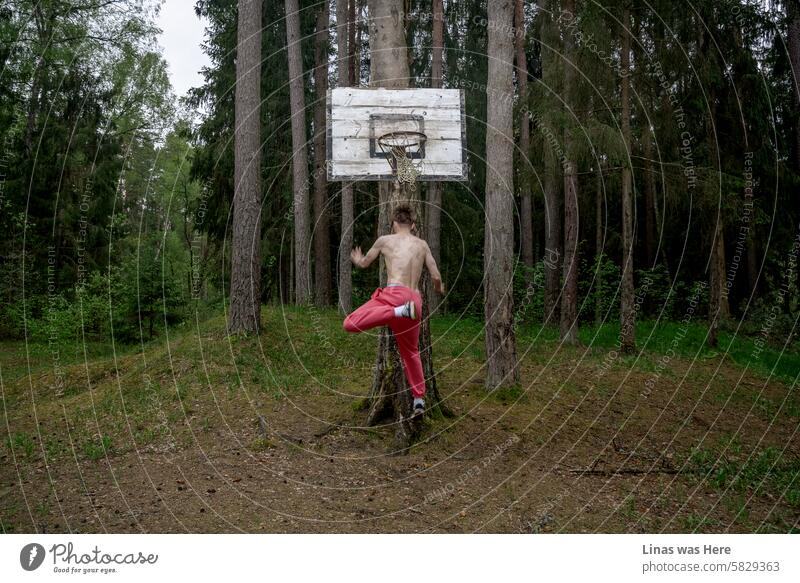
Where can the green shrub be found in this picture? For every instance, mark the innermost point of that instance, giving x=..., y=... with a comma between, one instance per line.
x=598, y=290
x=529, y=293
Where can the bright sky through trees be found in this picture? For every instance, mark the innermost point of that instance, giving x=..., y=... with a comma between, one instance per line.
x=181, y=39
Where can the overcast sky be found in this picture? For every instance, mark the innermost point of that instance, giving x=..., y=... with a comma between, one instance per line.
x=181, y=38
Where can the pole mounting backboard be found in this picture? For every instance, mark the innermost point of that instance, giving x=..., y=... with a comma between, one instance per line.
x=358, y=117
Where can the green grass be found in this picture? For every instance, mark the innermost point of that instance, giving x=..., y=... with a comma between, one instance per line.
x=464, y=338
x=40, y=356
x=737, y=472
x=692, y=522
x=686, y=341
x=21, y=444
x=6, y=527
x=690, y=342
x=508, y=395
x=95, y=449
x=303, y=350
x=629, y=507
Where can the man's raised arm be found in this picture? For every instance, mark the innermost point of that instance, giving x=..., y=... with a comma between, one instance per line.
x=436, y=277
x=363, y=261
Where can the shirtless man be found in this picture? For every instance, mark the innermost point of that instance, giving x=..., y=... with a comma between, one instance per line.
x=399, y=304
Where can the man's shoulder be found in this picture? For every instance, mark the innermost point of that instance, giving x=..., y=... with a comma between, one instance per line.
x=405, y=240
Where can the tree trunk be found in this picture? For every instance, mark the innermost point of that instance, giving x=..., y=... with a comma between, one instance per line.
x=716, y=299
x=659, y=225
x=302, y=274
x=718, y=296
x=598, y=244
x=245, y=294
x=724, y=305
x=437, y=37
x=646, y=90
x=433, y=210
x=33, y=104
x=390, y=396
x=627, y=311
x=354, y=70
x=526, y=208
x=322, y=241
x=752, y=262
x=649, y=197
x=346, y=242
x=498, y=250
x=553, y=249
x=387, y=38
x=793, y=12
x=569, y=296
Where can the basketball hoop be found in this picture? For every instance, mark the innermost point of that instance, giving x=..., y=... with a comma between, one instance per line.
x=421, y=132
x=398, y=149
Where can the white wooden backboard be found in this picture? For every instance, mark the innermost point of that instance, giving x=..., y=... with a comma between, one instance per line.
x=357, y=117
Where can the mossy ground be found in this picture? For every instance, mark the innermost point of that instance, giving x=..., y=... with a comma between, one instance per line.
x=166, y=437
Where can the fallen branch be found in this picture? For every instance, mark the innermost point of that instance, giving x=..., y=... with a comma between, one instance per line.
x=628, y=471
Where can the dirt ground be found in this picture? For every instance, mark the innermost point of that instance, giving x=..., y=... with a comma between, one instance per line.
x=581, y=447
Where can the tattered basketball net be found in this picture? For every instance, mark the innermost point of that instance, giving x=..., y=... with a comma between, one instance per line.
x=396, y=146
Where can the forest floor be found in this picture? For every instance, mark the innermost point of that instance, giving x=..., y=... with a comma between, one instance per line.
x=166, y=437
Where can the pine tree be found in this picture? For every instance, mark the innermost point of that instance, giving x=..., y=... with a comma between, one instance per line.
x=627, y=309
x=433, y=210
x=345, y=24
x=302, y=247
x=322, y=243
x=569, y=295
x=523, y=175
x=245, y=295
x=501, y=350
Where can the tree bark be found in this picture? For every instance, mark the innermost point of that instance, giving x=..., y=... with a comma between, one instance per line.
x=598, y=243
x=501, y=351
x=649, y=197
x=553, y=250
x=354, y=39
x=627, y=311
x=302, y=274
x=245, y=294
x=322, y=241
x=433, y=209
x=724, y=304
x=387, y=38
x=526, y=207
x=718, y=296
x=569, y=296
x=717, y=283
x=646, y=90
x=344, y=23
x=752, y=262
x=390, y=396
x=793, y=13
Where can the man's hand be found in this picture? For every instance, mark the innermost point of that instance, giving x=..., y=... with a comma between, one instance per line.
x=356, y=256
x=436, y=277
x=364, y=261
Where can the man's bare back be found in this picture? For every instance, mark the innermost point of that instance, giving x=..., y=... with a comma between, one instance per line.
x=405, y=255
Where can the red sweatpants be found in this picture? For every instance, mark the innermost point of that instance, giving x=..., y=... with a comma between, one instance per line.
x=379, y=311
